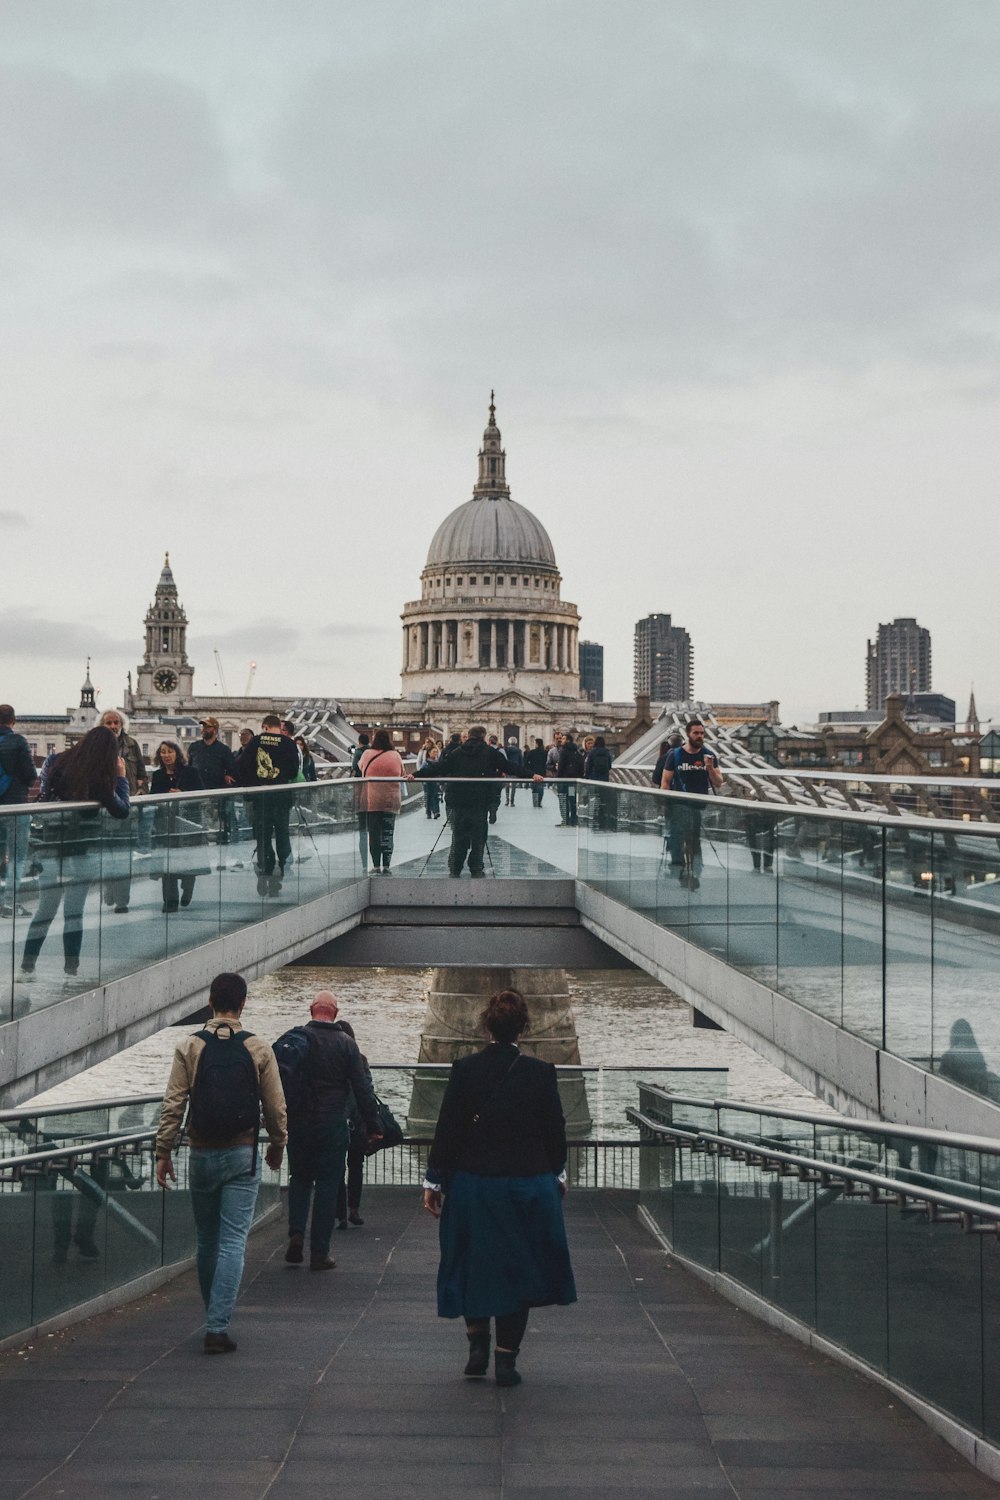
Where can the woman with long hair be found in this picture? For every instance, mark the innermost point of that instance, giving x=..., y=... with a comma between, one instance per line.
x=308, y=772
x=381, y=799
x=174, y=774
x=91, y=771
x=495, y=1177
x=429, y=753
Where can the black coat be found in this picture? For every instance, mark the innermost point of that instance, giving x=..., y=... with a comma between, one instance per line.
x=475, y=760
x=521, y=1131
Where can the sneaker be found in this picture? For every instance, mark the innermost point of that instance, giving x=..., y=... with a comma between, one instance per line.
x=262, y=884
x=120, y=911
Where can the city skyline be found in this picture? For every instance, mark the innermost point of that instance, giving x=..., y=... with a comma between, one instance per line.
x=741, y=320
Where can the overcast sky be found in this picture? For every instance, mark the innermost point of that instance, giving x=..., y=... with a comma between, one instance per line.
x=733, y=267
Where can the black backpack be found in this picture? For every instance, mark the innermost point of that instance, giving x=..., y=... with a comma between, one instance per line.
x=293, y=1050
x=225, y=1095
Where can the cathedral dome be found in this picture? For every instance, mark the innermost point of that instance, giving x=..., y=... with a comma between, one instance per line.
x=489, y=530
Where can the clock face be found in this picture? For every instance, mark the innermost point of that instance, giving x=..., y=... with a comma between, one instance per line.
x=165, y=680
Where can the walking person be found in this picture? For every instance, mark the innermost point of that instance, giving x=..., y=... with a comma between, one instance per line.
x=117, y=886
x=331, y=1073
x=222, y=1077
x=690, y=768
x=270, y=759
x=515, y=758
x=597, y=767
x=177, y=846
x=382, y=799
x=430, y=751
x=534, y=765
x=352, y=1178
x=364, y=741
x=570, y=767
x=475, y=765
x=91, y=771
x=17, y=777
x=216, y=765
x=495, y=1178
x=306, y=757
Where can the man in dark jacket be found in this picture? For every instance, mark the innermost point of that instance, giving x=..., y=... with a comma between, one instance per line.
x=216, y=765
x=534, y=765
x=317, y=1142
x=17, y=776
x=570, y=766
x=469, y=805
x=515, y=756
x=270, y=759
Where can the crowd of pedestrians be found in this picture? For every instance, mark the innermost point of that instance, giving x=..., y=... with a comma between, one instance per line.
x=496, y=1173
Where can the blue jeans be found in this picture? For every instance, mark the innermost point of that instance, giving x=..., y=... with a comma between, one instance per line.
x=316, y=1157
x=223, y=1197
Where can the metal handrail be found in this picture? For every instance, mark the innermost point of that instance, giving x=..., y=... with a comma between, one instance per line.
x=856, y=778
x=781, y=811
x=15, y=1165
x=986, y=1144
x=78, y=1107
x=898, y=1191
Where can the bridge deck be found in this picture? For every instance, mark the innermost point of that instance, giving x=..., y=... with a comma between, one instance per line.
x=347, y=1383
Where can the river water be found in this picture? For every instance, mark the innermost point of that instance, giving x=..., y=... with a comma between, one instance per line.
x=623, y=1018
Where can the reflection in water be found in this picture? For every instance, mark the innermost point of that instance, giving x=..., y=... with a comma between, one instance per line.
x=623, y=1018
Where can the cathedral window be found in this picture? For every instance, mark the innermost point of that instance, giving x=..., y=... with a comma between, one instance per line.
x=472, y=578
x=486, y=578
x=459, y=581
x=525, y=581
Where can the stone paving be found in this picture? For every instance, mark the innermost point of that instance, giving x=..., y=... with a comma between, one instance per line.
x=348, y=1384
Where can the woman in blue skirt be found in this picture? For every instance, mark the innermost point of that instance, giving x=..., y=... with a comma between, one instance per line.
x=495, y=1179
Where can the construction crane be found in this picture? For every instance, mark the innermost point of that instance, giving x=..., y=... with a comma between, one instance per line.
x=222, y=675
x=253, y=669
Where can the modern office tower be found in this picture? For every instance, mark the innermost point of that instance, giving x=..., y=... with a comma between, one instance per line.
x=592, y=671
x=898, y=661
x=664, y=660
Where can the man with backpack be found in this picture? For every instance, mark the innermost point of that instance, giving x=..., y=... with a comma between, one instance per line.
x=222, y=1077
x=477, y=768
x=321, y=1068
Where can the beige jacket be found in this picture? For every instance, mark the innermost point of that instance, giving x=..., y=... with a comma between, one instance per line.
x=179, y=1084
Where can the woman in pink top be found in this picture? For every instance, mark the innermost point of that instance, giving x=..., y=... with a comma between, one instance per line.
x=380, y=799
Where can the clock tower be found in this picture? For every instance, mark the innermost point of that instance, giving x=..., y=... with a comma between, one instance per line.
x=165, y=674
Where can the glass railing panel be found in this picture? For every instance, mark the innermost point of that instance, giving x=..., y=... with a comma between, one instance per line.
x=18, y=899
x=753, y=893
x=910, y=877
x=862, y=850
x=990, y=1341
x=965, y=903
x=810, y=916
x=17, y=1233
x=935, y=1311
x=851, y=1304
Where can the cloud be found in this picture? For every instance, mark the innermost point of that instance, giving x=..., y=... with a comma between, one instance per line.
x=266, y=635
x=137, y=153
x=26, y=634
x=13, y=519
x=355, y=628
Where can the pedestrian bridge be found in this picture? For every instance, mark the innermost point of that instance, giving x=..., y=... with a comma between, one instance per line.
x=858, y=951
x=701, y=1233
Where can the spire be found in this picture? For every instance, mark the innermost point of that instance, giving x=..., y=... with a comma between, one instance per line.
x=492, y=482
x=166, y=584
x=87, y=699
x=972, y=718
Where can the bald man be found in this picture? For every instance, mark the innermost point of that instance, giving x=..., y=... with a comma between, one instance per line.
x=317, y=1142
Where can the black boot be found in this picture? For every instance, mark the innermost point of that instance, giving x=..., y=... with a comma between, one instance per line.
x=479, y=1354
x=504, y=1367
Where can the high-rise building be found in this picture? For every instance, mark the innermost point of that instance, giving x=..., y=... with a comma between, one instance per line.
x=591, y=670
x=664, y=660
x=898, y=661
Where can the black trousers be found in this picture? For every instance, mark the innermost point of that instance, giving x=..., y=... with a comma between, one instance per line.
x=352, y=1178
x=469, y=829
x=510, y=1328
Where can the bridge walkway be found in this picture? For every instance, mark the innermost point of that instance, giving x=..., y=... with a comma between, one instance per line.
x=348, y=1383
